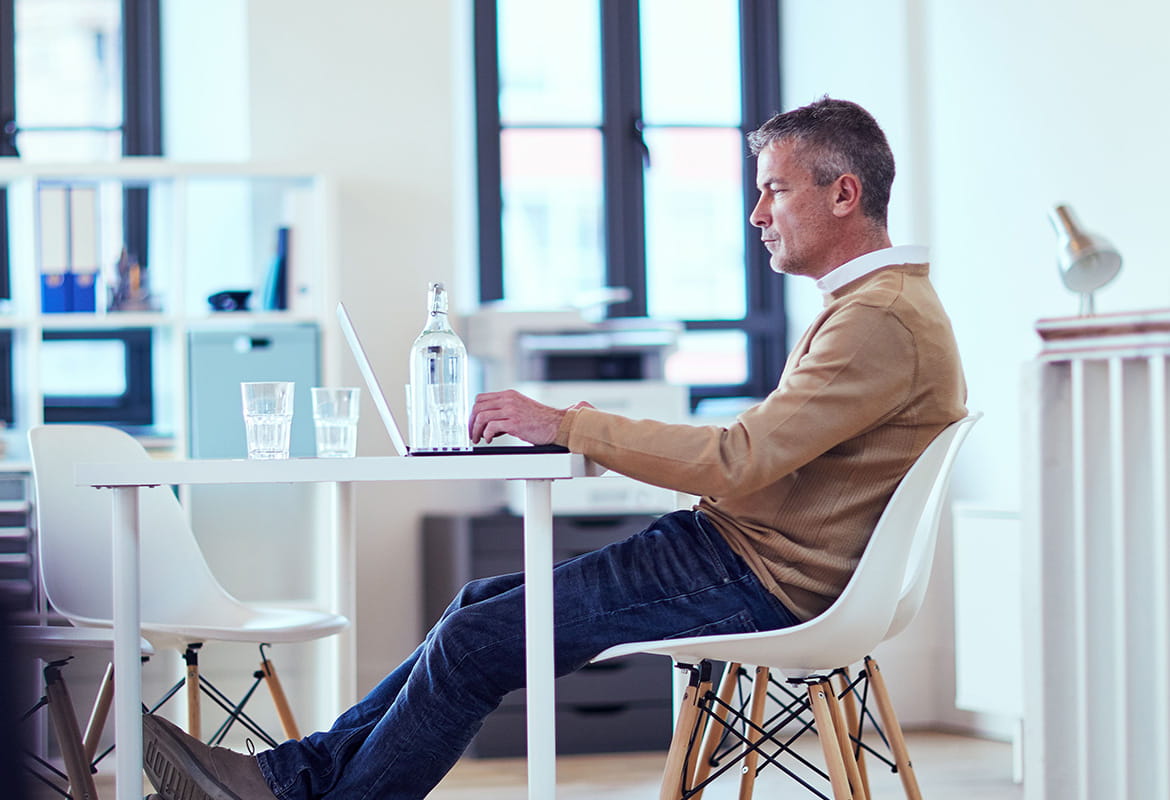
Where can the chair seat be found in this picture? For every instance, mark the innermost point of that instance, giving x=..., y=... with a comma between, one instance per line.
x=798, y=651
x=269, y=624
x=54, y=642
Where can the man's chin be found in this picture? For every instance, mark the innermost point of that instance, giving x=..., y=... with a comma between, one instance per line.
x=788, y=268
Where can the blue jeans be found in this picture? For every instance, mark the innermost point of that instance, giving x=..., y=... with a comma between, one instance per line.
x=676, y=578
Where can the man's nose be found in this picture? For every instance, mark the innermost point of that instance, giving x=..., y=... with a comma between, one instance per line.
x=759, y=217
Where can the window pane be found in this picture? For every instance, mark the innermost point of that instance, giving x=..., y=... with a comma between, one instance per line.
x=695, y=224
x=552, y=222
x=68, y=62
x=550, y=62
x=709, y=358
x=690, y=62
x=69, y=146
x=83, y=368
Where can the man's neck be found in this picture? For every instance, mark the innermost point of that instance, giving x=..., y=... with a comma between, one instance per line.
x=871, y=262
x=852, y=247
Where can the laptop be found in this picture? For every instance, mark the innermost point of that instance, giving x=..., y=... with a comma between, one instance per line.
x=391, y=425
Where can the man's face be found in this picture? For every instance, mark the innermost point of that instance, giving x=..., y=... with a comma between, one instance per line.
x=794, y=215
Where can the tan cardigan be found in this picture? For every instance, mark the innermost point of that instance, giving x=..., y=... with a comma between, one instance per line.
x=797, y=483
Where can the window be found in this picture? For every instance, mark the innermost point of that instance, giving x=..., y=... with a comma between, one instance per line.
x=612, y=154
x=80, y=81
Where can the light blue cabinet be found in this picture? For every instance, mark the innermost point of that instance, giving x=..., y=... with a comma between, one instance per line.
x=218, y=360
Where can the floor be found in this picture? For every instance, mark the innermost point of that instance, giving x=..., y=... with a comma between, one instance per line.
x=948, y=767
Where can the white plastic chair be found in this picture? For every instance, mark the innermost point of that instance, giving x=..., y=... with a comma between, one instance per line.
x=56, y=645
x=183, y=605
x=873, y=607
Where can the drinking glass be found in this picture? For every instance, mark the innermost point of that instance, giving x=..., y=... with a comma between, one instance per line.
x=335, y=418
x=268, y=413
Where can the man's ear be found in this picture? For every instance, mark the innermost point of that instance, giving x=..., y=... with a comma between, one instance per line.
x=848, y=195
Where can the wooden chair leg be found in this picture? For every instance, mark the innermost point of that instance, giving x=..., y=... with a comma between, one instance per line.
x=194, y=708
x=844, y=743
x=99, y=714
x=893, y=730
x=747, y=779
x=817, y=695
x=279, y=699
x=714, y=729
x=853, y=720
x=77, y=766
x=674, y=782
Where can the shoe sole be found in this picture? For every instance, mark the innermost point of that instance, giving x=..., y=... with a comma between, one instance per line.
x=173, y=770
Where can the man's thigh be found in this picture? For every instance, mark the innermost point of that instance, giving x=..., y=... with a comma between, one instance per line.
x=676, y=578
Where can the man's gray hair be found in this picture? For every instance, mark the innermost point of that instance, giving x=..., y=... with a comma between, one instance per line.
x=834, y=137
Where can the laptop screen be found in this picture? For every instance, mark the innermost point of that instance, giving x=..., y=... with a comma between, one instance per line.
x=388, y=420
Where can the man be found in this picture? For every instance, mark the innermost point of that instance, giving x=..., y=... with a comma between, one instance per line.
x=790, y=492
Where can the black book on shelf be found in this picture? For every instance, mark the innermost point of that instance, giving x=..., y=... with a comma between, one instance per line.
x=276, y=288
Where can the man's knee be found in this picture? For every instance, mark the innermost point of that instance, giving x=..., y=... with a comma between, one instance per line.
x=482, y=589
x=482, y=643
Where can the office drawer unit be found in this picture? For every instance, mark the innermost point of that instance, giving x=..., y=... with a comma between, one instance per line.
x=623, y=705
x=18, y=573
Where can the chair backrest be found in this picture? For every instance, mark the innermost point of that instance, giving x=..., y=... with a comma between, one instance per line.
x=865, y=611
x=74, y=531
x=921, y=558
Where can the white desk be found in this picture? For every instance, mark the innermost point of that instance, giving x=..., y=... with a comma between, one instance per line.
x=537, y=471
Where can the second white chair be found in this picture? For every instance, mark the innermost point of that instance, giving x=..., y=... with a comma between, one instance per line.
x=183, y=605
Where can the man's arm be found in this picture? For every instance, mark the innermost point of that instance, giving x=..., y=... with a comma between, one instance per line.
x=857, y=373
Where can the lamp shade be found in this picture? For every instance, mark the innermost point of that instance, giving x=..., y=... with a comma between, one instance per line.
x=1087, y=261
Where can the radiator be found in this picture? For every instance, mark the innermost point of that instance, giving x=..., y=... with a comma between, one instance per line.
x=1096, y=560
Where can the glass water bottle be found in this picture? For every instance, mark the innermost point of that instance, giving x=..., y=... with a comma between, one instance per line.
x=439, y=405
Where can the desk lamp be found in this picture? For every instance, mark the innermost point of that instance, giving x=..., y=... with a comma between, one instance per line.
x=1087, y=261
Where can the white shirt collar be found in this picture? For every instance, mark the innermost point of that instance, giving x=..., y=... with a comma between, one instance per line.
x=869, y=262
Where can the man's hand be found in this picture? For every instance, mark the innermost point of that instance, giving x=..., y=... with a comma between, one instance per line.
x=510, y=412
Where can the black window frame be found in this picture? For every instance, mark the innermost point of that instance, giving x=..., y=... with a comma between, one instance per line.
x=141, y=116
x=764, y=323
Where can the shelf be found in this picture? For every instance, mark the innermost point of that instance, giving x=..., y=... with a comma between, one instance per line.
x=73, y=322
x=149, y=169
x=211, y=227
x=150, y=319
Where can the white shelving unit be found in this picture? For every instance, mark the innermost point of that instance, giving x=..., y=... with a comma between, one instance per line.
x=212, y=227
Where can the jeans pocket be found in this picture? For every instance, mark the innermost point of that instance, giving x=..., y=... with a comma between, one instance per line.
x=739, y=622
x=715, y=547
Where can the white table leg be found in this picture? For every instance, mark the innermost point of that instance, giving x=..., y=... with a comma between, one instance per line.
x=345, y=597
x=538, y=640
x=127, y=652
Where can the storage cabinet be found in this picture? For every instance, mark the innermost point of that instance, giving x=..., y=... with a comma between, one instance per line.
x=18, y=569
x=615, y=706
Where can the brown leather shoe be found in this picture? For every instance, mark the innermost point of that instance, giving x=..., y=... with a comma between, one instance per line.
x=183, y=768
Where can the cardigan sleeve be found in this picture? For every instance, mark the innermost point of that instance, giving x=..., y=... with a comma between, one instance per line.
x=855, y=373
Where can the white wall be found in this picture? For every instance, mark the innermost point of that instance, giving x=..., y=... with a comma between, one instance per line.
x=1000, y=110
x=376, y=93
x=996, y=111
